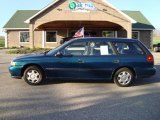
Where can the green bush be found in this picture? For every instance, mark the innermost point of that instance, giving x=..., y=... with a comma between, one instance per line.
x=2, y=43
x=27, y=50
x=14, y=47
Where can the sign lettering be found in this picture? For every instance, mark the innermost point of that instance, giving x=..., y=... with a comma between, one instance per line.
x=73, y=5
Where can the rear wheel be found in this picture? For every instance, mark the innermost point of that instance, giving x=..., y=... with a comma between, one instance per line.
x=33, y=75
x=123, y=77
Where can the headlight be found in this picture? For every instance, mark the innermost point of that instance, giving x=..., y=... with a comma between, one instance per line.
x=13, y=63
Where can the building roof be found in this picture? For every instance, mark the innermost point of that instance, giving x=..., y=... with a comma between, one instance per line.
x=17, y=20
x=142, y=22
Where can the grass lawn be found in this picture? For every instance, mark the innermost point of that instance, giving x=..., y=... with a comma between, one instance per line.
x=156, y=40
x=2, y=43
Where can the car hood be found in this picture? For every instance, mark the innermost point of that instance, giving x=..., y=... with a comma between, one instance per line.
x=30, y=56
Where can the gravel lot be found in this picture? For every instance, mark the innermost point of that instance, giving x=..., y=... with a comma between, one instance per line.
x=78, y=100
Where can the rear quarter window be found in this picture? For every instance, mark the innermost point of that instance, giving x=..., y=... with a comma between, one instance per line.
x=128, y=48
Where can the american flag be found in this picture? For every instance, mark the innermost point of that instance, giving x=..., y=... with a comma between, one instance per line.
x=79, y=33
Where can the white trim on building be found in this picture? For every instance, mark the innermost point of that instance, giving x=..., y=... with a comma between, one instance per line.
x=43, y=39
x=141, y=29
x=6, y=40
x=116, y=34
x=29, y=19
x=15, y=29
x=129, y=18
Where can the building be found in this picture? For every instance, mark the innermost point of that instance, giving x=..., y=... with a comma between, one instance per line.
x=62, y=18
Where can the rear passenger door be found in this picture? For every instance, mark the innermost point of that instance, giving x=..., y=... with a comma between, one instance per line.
x=100, y=61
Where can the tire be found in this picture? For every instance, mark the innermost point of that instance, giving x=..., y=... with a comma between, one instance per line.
x=123, y=77
x=33, y=75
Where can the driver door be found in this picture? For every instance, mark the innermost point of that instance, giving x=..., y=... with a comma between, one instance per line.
x=67, y=65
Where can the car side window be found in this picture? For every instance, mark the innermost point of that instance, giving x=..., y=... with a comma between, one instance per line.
x=100, y=48
x=77, y=48
x=128, y=48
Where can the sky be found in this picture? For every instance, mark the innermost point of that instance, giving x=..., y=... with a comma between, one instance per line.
x=149, y=8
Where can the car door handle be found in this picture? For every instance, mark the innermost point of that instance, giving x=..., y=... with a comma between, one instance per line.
x=115, y=61
x=80, y=61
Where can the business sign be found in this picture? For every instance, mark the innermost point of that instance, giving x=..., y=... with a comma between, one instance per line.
x=73, y=5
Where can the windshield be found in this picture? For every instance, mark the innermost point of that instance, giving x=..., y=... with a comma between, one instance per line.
x=51, y=52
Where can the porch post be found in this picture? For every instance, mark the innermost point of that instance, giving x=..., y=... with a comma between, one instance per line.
x=67, y=32
x=129, y=30
x=6, y=39
x=43, y=39
x=31, y=35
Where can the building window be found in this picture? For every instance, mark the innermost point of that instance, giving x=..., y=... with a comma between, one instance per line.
x=24, y=36
x=109, y=34
x=51, y=36
x=135, y=35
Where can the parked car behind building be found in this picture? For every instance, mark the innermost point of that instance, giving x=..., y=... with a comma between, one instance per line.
x=156, y=47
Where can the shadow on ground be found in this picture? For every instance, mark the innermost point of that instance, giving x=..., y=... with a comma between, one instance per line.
x=92, y=104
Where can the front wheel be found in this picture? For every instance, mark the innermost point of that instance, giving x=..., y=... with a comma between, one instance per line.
x=33, y=75
x=123, y=77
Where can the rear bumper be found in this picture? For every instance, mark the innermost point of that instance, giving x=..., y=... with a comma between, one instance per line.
x=146, y=72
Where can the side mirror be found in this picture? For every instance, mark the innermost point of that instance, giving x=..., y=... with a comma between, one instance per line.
x=58, y=54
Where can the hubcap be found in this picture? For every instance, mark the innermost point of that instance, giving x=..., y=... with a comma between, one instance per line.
x=33, y=76
x=124, y=78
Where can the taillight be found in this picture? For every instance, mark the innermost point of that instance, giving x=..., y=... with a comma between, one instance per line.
x=150, y=58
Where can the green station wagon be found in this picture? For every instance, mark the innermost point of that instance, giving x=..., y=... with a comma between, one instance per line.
x=120, y=60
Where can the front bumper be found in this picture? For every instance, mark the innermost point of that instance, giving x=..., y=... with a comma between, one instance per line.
x=15, y=71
